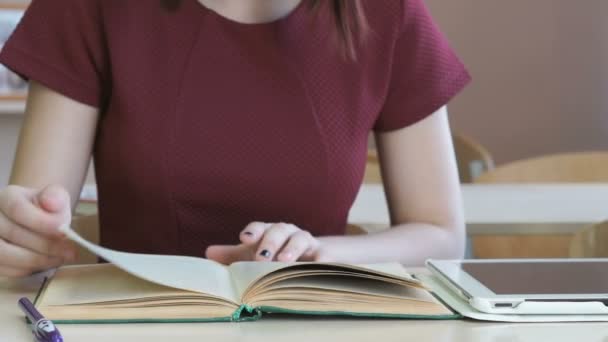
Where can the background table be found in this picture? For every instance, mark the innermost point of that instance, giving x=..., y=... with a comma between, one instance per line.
x=14, y=329
x=489, y=208
x=506, y=208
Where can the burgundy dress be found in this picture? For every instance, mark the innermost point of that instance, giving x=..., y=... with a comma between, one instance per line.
x=208, y=124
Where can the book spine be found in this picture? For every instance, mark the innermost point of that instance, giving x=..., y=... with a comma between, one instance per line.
x=246, y=313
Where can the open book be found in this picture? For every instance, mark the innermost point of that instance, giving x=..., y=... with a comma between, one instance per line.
x=155, y=288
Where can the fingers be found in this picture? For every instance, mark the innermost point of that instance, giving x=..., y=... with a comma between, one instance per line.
x=299, y=246
x=19, y=208
x=273, y=241
x=267, y=242
x=30, y=239
x=17, y=235
x=54, y=199
x=6, y=271
x=227, y=254
x=253, y=233
x=12, y=256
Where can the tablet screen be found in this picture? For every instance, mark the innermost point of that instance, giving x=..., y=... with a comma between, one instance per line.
x=541, y=277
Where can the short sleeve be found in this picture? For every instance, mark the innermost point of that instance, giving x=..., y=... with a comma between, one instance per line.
x=426, y=73
x=59, y=43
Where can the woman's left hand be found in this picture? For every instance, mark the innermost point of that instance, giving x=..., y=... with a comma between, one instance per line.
x=269, y=242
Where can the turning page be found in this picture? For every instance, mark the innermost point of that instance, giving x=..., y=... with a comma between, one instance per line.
x=185, y=273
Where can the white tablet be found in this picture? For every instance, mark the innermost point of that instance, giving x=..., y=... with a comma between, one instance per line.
x=528, y=286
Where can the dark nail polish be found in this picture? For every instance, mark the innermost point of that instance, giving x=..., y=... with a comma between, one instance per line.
x=265, y=253
x=248, y=233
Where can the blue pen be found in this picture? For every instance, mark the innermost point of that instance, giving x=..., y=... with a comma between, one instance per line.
x=43, y=329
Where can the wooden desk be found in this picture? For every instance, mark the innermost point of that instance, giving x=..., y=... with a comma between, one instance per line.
x=14, y=329
x=508, y=208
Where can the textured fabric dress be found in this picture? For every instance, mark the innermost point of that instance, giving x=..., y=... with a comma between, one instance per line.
x=208, y=124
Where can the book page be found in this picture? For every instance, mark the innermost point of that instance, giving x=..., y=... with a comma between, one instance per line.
x=86, y=284
x=353, y=285
x=353, y=290
x=247, y=274
x=180, y=272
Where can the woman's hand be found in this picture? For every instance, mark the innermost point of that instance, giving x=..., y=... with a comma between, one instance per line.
x=269, y=242
x=30, y=239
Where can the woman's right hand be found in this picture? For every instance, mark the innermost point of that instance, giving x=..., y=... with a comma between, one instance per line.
x=30, y=239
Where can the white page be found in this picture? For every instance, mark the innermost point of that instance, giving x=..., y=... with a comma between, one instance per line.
x=99, y=283
x=180, y=272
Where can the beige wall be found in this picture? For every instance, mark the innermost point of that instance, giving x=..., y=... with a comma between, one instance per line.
x=540, y=69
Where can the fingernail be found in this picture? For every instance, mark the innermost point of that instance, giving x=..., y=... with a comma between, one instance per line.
x=265, y=253
x=248, y=233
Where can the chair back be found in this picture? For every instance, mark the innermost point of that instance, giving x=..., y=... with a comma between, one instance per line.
x=473, y=159
x=590, y=242
x=579, y=167
x=557, y=168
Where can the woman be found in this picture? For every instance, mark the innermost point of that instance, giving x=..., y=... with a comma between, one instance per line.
x=232, y=129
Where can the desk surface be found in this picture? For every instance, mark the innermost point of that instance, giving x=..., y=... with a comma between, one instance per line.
x=14, y=329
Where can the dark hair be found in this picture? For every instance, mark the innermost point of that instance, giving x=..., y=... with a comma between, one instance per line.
x=348, y=16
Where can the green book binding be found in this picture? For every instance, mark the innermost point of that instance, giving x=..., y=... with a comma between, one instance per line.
x=102, y=294
x=138, y=288
x=254, y=314
x=274, y=310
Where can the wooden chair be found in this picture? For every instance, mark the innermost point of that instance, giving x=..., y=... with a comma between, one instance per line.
x=372, y=168
x=557, y=168
x=353, y=229
x=472, y=158
x=590, y=242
